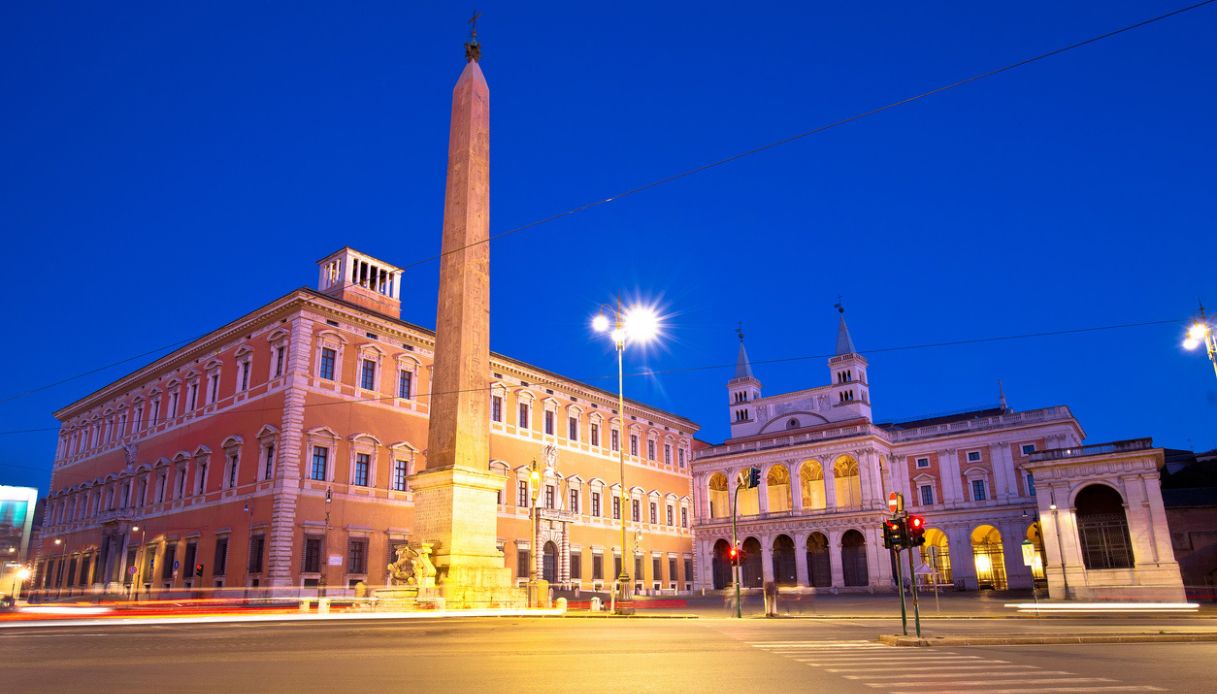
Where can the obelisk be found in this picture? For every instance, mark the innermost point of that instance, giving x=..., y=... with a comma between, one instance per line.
x=455, y=495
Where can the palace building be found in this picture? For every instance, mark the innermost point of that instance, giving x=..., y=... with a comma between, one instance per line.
x=277, y=451
x=1010, y=498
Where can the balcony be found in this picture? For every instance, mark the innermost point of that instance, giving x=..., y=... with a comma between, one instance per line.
x=1093, y=449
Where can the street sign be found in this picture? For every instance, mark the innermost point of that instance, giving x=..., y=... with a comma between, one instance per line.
x=895, y=502
x=1028, y=553
x=334, y=560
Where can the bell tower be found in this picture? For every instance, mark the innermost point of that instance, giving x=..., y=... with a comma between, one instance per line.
x=850, y=387
x=742, y=391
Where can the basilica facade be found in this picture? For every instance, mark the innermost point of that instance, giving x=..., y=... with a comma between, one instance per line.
x=1011, y=498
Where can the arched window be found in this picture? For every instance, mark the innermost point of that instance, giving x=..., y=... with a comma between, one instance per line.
x=720, y=498
x=1103, y=528
x=783, y=561
x=853, y=559
x=721, y=565
x=819, y=565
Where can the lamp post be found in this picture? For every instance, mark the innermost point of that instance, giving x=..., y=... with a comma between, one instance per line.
x=534, y=482
x=1202, y=331
x=325, y=543
x=140, y=559
x=640, y=325
x=63, y=551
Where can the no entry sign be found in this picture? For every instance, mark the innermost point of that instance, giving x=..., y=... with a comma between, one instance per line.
x=895, y=502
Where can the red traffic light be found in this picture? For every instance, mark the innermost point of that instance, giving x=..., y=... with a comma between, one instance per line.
x=916, y=522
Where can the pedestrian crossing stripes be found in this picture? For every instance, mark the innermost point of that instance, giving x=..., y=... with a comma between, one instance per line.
x=901, y=670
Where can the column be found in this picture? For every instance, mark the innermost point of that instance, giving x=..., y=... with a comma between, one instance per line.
x=796, y=492
x=800, y=559
x=1156, y=513
x=766, y=558
x=952, y=487
x=830, y=491
x=834, y=558
x=1018, y=575
x=866, y=475
x=878, y=562
x=963, y=564
x=762, y=494
x=1002, y=464
x=564, y=564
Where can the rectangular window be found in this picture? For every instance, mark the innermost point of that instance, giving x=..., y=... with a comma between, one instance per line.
x=927, y=495
x=367, y=377
x=637, y=568
x=572, y=428
x=213, y=388
x=220, y=564
x=312, y=555
x=634, y=444
x=635, y=510
x=667, y=454
x=328, y=356
x=521, y=563
x=597, y=567
x=574, y=501
x=978, y=490
x=923, y=462
x=615, y=440
x=522, y=420
x=1030, y=485
x=167, y=564
x=232, y=470
x=173, y=398
x=672, y=569
x=657, y=568
x=257, y=543
x=188, y=566
x=616, y=507
x=688, y=569
x=202, y=479
x=671, y=517
x=549, y=496
x=616, y=565
x=399, y=475
x=650, y=449
x=496, y=408
x=680, y=457
x=654, y=509
x=973, y=456
x=278, y=361
x=1028, y=448
x=321, y=463
x=596, y=504
x=549, y=422
x=194, y=400
x=594, y=433
x=684, y=517
x=136, y=425
x=363, y=461
x=576, y=565
x=245, y=367
x=270, y=461
x=404, y=382
x=522, y=495
x=154, y=416
x=357, y=555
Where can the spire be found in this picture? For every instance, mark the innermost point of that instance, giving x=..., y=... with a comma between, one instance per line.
x=1001, y=396
x=743, y=367
x=845, y=343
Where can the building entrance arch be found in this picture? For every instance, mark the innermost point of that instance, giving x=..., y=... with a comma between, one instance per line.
x=549, y=563
x=987, y=554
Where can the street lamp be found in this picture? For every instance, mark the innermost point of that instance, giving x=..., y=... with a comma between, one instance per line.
x=325, y=542
x=639, y=325
x=62, y=555
x=1202, y=332
x=138, y=577
x=534, y=479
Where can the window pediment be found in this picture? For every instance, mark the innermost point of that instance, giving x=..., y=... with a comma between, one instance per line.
x=232, y=442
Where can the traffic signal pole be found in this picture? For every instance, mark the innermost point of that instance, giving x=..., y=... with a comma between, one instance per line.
x=904, y=617
x=735, y=546
x=913, y=590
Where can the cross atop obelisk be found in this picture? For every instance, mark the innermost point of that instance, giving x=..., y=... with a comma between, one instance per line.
x=473, y=50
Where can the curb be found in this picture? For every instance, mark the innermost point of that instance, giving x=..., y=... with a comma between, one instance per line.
x=1040, y=639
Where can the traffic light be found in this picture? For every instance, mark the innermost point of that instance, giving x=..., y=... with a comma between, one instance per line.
x=895, y=535
x=754, y=477
x=916, y=531
x=733, y=555
x=198, y=569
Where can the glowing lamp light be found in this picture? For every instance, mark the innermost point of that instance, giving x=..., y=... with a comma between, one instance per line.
x=1197, y=331
x=984, y=565
x=600, y=323
x=641, y=324
x=1191, y=343
x=23, y=573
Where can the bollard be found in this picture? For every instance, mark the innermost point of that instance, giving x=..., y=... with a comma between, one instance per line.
x=595, y=605
x=323, y=605
x=560, y=603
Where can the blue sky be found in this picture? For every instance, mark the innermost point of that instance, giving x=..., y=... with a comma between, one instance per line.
x=170, y=166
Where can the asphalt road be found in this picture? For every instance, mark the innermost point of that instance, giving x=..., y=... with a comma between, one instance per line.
x=573, y=654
